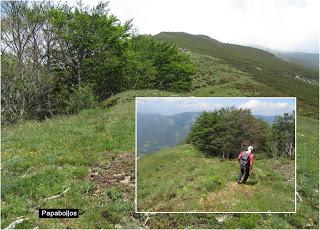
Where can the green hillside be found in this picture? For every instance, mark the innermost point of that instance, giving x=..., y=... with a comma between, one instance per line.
x=171, y=178
x=183, y=179
x=42, y=159
x=69, y=79
x=236, y=54
x=217, y=78
x=86, y=160
x=262, y=66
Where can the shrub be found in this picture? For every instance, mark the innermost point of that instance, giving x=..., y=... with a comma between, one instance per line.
x=223, y=132
x=283, y=130
x=77, y=99
x=153, y=64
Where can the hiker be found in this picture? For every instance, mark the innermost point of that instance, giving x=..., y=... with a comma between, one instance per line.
x=246, y=163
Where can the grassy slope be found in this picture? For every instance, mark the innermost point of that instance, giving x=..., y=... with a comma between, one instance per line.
x=41, y=159
x=216, y=78
x=182, y=179
x=307, y=186
x=264, y=67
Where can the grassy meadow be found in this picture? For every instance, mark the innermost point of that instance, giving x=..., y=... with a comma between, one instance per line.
x=183, y=179
x=42, y=159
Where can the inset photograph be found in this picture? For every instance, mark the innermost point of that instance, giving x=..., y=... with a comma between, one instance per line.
x=209, y=154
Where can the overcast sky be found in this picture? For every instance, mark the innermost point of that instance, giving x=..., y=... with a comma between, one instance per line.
x=286, y=25
x=175, y=105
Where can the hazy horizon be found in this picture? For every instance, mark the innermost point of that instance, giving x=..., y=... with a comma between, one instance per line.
x=196, y=112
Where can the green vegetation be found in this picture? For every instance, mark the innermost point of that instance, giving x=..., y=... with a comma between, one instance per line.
x=307, y=184
x=221, y=132
x=60, y=59
x=158, y=65
x=92, y=152
x=283, y=133
x=78, y=135
x=263, y=67
x=310, y=60
x=42, y=159
x=216, y=78
x=183, y=179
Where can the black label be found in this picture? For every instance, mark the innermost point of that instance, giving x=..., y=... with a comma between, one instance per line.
x=58, y=213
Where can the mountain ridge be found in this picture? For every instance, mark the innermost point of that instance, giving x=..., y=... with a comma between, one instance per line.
x=172, y=36
x=284, y=78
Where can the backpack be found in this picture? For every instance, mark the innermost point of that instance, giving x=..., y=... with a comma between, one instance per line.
x=244, y=160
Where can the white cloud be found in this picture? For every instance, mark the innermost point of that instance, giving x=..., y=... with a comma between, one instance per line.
x=173, y=105
x=145, y=100
x=259, y=107
x=199, y=106
x=191, y=104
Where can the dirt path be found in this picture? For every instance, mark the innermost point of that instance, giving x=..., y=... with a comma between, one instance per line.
x=119, y=173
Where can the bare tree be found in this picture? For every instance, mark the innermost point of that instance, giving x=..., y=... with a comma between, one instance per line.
x=26, y=46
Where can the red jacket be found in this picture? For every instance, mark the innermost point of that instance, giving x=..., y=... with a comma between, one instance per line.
x=251, y=158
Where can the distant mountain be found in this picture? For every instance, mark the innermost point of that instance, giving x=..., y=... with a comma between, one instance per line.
x=310, y=60
x=268, y=119
x=157, y=131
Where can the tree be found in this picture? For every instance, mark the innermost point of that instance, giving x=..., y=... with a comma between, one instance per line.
x=25, y=91
x=26, y=84
x=83, y=35
x=223, y=132
x=16, y=30
x=158, y=65
x=52, y=54
x=283, y=130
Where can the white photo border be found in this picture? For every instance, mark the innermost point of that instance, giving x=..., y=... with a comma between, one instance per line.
x=200, y=212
